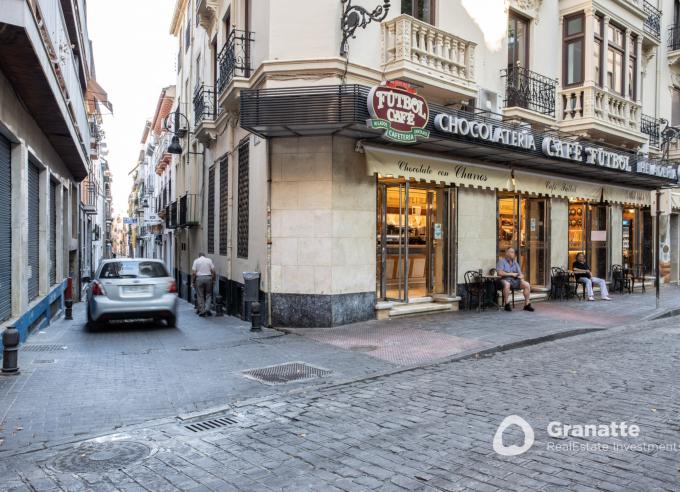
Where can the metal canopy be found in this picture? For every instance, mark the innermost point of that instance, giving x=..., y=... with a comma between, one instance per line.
x=342, y=110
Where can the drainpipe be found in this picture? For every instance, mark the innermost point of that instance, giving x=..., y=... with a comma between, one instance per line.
x=269, y=233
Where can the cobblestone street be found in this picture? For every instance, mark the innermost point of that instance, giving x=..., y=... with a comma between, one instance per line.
x=428, y=428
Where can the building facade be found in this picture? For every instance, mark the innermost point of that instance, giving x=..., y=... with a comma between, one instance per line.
x=46, y=79
x=364, y=162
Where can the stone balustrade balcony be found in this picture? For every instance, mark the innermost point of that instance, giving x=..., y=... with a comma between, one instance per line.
x=417, y=51
x=600, y=113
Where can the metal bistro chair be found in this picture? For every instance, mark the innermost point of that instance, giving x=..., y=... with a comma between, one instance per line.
x=499, y=292
x=559, y=283
x=620, y=280
x=474, y=289
x=637, y=275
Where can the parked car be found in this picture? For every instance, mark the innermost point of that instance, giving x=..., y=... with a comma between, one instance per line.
x=132, y=288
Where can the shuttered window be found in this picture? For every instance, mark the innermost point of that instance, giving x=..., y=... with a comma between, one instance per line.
x=243, y=198
x=5, y=229
x=211, y=210
x=224, y=205
x=53, y=233
x=33, y=231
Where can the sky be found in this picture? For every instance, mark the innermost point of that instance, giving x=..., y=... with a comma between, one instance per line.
x=135, y=57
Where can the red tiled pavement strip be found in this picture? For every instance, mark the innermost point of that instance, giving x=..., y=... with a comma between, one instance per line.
x=402, y=346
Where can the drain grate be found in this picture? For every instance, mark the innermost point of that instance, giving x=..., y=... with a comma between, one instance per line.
x=286, y=373
x=99, y=457
x=206, y=425
x=44, y=361
x=43, y=348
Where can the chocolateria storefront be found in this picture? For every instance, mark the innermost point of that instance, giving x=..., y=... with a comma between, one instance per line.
x=452, y=190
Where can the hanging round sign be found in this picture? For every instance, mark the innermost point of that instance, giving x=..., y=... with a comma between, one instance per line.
x=401, y=113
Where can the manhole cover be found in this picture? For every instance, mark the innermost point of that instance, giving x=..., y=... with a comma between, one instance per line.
x=364, y=348
x=286, y=373
x=42, y=348
x=100, y=456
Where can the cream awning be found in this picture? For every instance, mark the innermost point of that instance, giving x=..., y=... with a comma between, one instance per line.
x=627, y=196
x=537, y=184
x=399, y=164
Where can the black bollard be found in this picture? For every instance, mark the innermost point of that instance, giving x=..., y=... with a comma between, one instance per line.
x=68, y=312
x=10, y=353
x=219, y=307
x=255, y=316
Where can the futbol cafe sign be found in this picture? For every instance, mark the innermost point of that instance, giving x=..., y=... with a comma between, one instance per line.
x=404, y=116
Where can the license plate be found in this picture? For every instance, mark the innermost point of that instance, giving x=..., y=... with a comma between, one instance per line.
x=135, y=289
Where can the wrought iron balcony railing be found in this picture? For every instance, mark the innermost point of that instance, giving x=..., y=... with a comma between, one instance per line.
x=652, y=127
x=234, y=59
x=529, y=90
x=674, y=37
x=89, y=197
x=171, y=216
x=652, y=24
x=204, y=104
x=187, y=211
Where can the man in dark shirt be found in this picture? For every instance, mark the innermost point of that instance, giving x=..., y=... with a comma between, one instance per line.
x=584, y=276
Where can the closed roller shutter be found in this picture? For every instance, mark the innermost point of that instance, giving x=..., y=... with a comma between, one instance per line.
x=53, y=233
x=5, y=230
x=33, y=230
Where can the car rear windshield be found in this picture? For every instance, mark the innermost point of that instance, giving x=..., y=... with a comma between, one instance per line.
x=133, y=269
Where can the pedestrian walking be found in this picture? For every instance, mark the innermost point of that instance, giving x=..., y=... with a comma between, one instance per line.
x=203, y=276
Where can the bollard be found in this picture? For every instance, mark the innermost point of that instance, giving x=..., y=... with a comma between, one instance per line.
x=219, y=307
x=255, y=316
x=68, y=311
x=10, y=353
x=68, y=299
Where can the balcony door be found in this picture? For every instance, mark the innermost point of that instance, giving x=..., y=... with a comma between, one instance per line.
x=422, y=10
x=518, y=41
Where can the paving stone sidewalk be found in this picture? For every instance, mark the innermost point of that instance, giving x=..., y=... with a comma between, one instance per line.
x=427, y=428
x=125, y=376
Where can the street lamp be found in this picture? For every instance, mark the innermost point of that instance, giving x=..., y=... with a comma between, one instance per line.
x=175, y=147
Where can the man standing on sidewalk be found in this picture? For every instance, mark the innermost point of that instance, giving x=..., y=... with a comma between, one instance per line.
x=203, y=276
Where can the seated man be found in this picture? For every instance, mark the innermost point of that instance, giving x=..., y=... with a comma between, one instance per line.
x=584, y=276
x=510, y=271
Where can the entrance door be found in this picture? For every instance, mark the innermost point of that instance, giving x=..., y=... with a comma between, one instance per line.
x=533, y=237
x=411, y=243
x=597, y=246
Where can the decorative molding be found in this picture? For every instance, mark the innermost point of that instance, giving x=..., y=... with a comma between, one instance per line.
x=207, y=11
x=529, y=8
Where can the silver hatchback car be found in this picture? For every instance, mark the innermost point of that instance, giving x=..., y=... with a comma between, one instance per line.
x=132, y=289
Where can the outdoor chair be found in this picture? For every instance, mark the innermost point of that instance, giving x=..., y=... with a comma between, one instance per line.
x=637, y=275
x=474, y=289
x=499, y=291
x=620, y=280
x=559, y=283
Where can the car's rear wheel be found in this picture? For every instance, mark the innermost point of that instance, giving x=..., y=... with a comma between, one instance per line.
x=91, y=324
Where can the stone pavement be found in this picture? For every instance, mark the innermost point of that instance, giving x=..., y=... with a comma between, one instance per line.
x=427, y=428
x=130, y=374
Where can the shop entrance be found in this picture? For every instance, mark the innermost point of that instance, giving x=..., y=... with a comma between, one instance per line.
x=523, y=225
x=637, y=237
x=588, y=234
x=413, y=257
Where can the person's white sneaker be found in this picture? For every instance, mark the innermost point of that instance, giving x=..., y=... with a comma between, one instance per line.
x=606, y=298
x=591, y=298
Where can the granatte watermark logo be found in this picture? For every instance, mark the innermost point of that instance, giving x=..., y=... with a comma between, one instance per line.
x=558, y=433
x=513, y=449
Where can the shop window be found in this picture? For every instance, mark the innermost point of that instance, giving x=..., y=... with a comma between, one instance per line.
x=211, y=209
x=588, y=234
x=243, y=199
x=573, y=49
x=420, y=9
x=224, y=204
x=577, y=231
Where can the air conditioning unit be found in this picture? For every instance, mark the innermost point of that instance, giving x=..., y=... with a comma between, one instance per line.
x=489, y=101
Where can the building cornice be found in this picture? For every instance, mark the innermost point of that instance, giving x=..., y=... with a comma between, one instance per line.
x=176, y=24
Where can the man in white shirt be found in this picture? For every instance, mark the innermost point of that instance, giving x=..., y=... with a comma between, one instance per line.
x=203, y=276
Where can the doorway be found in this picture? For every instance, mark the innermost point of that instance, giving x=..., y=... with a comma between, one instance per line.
x=413, y=248
x=523, y=225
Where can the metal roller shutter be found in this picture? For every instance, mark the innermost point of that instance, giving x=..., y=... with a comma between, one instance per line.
x=53, y=233
x=33, y=230
x=5, y=230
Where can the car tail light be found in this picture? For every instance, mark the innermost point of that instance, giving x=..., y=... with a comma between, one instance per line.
x=97, y=289
x=172, y=287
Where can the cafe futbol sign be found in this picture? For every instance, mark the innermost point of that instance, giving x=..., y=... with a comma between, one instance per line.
x=399, y=111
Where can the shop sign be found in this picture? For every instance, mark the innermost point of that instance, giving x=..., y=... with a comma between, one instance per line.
x=483, y=130
x=399, y=111
x=655, y=169
x=575, y=151
x=129, y=220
